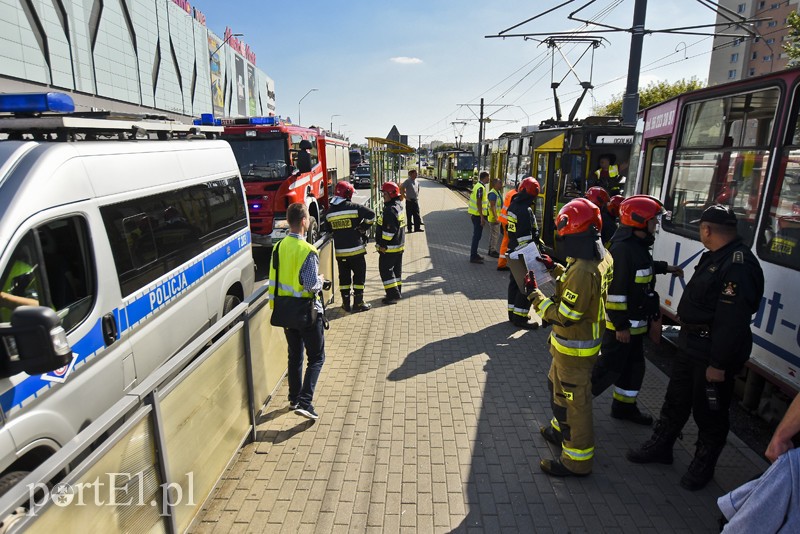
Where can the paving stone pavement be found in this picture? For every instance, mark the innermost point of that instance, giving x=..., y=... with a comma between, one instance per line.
x=429, y=416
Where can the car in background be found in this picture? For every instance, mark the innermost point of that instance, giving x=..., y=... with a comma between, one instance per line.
x=361, y=176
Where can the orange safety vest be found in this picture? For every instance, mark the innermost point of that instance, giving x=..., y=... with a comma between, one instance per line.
x=503, y=217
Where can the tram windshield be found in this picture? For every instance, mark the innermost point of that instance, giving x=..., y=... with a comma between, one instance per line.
x=465, y=162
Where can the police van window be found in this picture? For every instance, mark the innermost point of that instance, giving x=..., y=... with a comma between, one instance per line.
x=153, y=235
x=722, y=158
x=57, y=272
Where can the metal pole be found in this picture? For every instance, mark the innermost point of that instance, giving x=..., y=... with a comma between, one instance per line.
x=301, y=100
x=630, y=102
x=419, y=160
x=480, y=138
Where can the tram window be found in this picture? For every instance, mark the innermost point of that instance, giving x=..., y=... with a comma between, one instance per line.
x=780, y=239
x=655, y=172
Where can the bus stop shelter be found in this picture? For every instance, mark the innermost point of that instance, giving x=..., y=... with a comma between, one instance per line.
x=385, y=158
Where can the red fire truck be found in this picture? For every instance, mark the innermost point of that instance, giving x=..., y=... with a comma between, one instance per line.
x=267, y=150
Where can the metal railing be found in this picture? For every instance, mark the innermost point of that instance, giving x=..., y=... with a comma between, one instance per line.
x=150, y=462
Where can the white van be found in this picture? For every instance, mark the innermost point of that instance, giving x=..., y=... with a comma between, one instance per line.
x=136, y=245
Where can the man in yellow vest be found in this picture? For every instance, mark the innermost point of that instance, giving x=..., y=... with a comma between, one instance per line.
x=299, y=277
x=502, y=261
x=577, y=314
x=478, y=210
x=493, y=217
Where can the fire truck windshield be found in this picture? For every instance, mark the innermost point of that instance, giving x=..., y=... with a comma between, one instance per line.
x=260, y=159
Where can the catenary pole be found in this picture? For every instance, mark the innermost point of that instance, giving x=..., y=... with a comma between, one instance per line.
x=630, y=101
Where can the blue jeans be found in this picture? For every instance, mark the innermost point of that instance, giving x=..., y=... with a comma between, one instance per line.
x=312, y=339
x=477, y=233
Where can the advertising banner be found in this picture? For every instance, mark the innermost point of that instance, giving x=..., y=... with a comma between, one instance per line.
x=240, y=96
x=217, y=90
x=252, y=96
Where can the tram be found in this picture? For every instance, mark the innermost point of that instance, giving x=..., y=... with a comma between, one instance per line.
x=736, y=144
x=455, y=168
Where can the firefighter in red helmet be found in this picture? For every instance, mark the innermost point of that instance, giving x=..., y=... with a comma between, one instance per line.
x=390, y=240
x=613, y=205
x=631, y=305
x=349, y=222
x=577, y=314
x=522, y=229
x=600, y=198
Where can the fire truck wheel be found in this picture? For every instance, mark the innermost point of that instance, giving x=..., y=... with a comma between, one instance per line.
x=312, y=234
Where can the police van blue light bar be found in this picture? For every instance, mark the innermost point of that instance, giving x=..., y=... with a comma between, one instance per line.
x=36, y=103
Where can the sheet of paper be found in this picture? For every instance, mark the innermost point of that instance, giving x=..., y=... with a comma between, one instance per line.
x=529, y=253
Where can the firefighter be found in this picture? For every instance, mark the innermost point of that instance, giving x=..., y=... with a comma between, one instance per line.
x=608, y=176
x=613, y=206
x=600, y=198
x=577, y=315
x=390, y=240
x=714, y=343
x=632, y=303
x=502, y=261
x=522, y=229
x=349, y=222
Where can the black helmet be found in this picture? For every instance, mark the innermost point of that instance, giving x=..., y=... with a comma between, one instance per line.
x=305, y=144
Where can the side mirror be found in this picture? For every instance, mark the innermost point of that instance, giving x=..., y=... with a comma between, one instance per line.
x=34, y=342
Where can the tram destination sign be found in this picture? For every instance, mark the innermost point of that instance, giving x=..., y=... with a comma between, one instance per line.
x=614, y=140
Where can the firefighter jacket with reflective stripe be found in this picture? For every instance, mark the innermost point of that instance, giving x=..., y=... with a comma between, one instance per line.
x=497, y=207
x=631, y=297
x=503, y=218
x=348, y=221
x=577, y=310
x=473, y=200
x=391, y=229
x=723, y=294
x=522, y=228
x=292, y=254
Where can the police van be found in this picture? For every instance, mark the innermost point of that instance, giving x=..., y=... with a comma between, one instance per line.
x=121, y=239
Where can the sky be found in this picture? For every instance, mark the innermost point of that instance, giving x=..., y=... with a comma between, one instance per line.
x=413, y=63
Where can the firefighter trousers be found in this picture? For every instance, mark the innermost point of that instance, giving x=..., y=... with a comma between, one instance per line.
x=390, y=266
x=570, y=383
x=352, y=274
x=502, y=261
x=518, y=304
x=620, y=364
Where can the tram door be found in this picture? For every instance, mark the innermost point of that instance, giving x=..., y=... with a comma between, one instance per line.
x=546, y=167
x=655, y=165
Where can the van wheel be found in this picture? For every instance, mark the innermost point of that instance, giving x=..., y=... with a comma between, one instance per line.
x=312, y=234
x=231, y=301
x=9, y=480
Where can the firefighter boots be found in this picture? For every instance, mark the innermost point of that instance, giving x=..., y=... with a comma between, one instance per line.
x=629, y=412
x=657, y=449
x=346, y=302
x=551, y=435
x=701, y=470
x=556, y=469
x=359, y=305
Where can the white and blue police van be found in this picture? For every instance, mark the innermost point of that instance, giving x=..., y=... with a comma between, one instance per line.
x=121, y=240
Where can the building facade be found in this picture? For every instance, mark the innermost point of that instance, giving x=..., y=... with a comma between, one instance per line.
x=739, y=58
x=141, y=56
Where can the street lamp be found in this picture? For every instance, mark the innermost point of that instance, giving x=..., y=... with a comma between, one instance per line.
x=527, y=117
x=332, y=116
x=298, y=104
x=225, y=41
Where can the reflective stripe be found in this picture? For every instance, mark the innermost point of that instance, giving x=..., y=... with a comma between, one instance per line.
x=570, y=347
x=347, y=252
x=579, y=455
x=617, y=298
x=358, y=287
x=554, y=424
x=644, y=276
x=522, y=312
x=569, y=313
x=639, y=328
x=617, y=302
x=524, y=239
x=390, y=283
x=288, y=291
x=300, y=183
x=394, y=248
x=544, y=305
x=625, y=395
x=345, y=214
x=387, y=235
x=473, y=200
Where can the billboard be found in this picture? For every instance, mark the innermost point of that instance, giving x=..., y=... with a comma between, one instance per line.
x=240, y=96
x=252, y=96
x=217, y=90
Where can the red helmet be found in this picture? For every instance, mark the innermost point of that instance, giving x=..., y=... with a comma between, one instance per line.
x=391, y=188
x=577, y=217
x=638, y=209
x=530, y=186
x=344, y=189
x=598, y=196
x=613, y=205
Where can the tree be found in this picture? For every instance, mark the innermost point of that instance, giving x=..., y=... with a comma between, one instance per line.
x=654, y=93
x=792, y=44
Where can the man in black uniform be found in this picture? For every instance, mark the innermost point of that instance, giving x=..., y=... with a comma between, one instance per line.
x=714, y=343
x=349, y=223
x=390, y=238
x=522, y=229
x=631, y=304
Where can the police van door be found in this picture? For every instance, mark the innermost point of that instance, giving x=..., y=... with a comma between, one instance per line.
x=55, y=261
